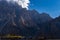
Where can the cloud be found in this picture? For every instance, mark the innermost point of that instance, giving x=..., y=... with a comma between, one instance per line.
x=22, y=3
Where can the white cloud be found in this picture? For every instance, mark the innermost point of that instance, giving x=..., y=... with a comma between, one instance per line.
x=23, y=3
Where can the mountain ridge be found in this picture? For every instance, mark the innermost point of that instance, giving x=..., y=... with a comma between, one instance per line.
x=14, y=19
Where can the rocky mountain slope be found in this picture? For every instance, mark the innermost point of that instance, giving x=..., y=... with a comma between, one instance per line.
x=17, y=20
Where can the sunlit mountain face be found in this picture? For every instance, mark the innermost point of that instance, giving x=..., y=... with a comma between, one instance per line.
x=14, y=19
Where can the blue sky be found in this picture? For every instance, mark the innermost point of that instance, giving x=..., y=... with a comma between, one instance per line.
x=52, y=7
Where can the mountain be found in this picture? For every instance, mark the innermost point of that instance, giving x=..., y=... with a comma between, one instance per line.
x=45, y=17
x=17, y=20
x=50, y=29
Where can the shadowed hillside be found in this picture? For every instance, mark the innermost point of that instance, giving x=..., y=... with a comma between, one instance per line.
x=17, y=20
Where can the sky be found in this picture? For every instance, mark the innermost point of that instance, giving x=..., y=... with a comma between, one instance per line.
x=51, y=7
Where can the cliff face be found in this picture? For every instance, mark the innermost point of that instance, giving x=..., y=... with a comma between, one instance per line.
x=14, y=19
x=50, y=29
